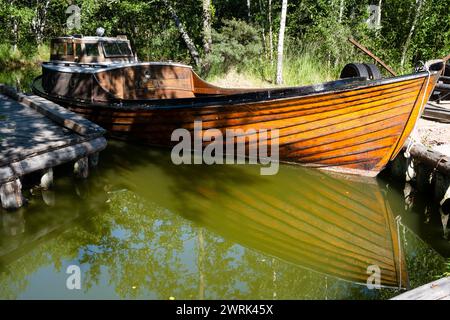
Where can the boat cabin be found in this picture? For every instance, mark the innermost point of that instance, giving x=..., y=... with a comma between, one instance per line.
x=81, y=49
x=104, y=70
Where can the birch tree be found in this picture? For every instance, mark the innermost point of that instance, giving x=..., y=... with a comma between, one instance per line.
x=270, y=33
x=341, y=10
x=281, y=42
x=418, y=8
x=39, y=20
x=207, y=40
x=189, y=43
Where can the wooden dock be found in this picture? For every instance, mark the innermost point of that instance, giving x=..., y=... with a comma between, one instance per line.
x=37, y=135
x=437, y=111
x=436, y=290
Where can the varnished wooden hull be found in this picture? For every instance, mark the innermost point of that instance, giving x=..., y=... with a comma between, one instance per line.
x=354, y=128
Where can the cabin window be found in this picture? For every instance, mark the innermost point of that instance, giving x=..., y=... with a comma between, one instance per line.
x=125, y=49
x=78, y=49
x=116, y=49
x=70, y=49
x=58, y=49
x=91, y=49
x=111, y=49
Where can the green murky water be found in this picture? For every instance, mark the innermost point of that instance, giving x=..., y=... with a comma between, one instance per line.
x=20, y=78
x=141, y=227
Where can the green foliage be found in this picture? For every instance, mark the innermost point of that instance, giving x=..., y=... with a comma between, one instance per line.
x=447, y=272
x=235, y=45
x=316, y=33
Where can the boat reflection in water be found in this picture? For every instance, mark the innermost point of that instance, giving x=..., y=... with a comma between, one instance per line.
x=334, y=224
x=143, y=227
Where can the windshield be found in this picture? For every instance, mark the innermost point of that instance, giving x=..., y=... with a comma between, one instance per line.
x=116, y=49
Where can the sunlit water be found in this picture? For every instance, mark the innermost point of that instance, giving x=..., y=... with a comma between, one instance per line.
x=141, y=227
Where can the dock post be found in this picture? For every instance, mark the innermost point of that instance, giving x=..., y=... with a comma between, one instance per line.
x=47, y=179
x=81, y=168
x=11, y=195
x=48, y=197
x=93, y=160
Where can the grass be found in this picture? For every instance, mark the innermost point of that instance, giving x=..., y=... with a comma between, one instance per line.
x=13, y=59
x=298, y=69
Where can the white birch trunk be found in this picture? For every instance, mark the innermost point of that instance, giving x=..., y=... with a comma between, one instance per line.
x=207, y=40
x=418, y=6
x=189, y=43
x=341, y=10
x=270, y=33
x=281, y=42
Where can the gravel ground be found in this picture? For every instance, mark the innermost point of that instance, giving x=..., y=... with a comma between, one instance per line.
x=434, y=135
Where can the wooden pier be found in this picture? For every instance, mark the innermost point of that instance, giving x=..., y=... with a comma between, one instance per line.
x=438, y=111
x=436, y=290
x=37, y=135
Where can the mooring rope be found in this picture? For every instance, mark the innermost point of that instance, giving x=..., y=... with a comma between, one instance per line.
x=414, y=136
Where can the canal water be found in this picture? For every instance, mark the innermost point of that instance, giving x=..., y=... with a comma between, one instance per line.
x=141, y=227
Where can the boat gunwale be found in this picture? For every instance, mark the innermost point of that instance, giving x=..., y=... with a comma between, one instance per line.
x=224, y=100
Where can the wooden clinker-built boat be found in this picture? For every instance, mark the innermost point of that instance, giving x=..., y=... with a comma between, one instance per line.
x=353, y=125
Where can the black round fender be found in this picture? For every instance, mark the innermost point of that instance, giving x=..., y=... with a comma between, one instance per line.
x=364, y=70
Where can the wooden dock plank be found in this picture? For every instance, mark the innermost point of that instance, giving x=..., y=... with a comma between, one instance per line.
x=27, y=132
x=36, y=134
x=58, y=114
x=436, y=290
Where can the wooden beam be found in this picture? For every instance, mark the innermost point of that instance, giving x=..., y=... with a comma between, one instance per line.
x=436, y=290
x=47, y=179
x=370, y=54
x=50, y=159
x=11, y=195
x=81, y=168
x=431, y=158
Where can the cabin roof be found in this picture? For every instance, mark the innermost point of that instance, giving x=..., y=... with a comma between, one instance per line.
x=92, y=38
x=63, y=66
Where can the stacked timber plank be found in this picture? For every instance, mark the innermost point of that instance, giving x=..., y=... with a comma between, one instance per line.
x=37, y=135
x=436, y=290
x=437, y=112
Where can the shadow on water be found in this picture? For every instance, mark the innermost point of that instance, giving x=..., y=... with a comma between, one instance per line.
x=141, y=227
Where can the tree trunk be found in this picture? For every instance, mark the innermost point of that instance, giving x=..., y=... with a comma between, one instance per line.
x=40, y=20
x=15, y=30
x=270, y=33
x=341, y=10
x=207, y=40
x=281, y=42
x=189, y=43
x=418, y=6
x=248, y=9
x=379, y=14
